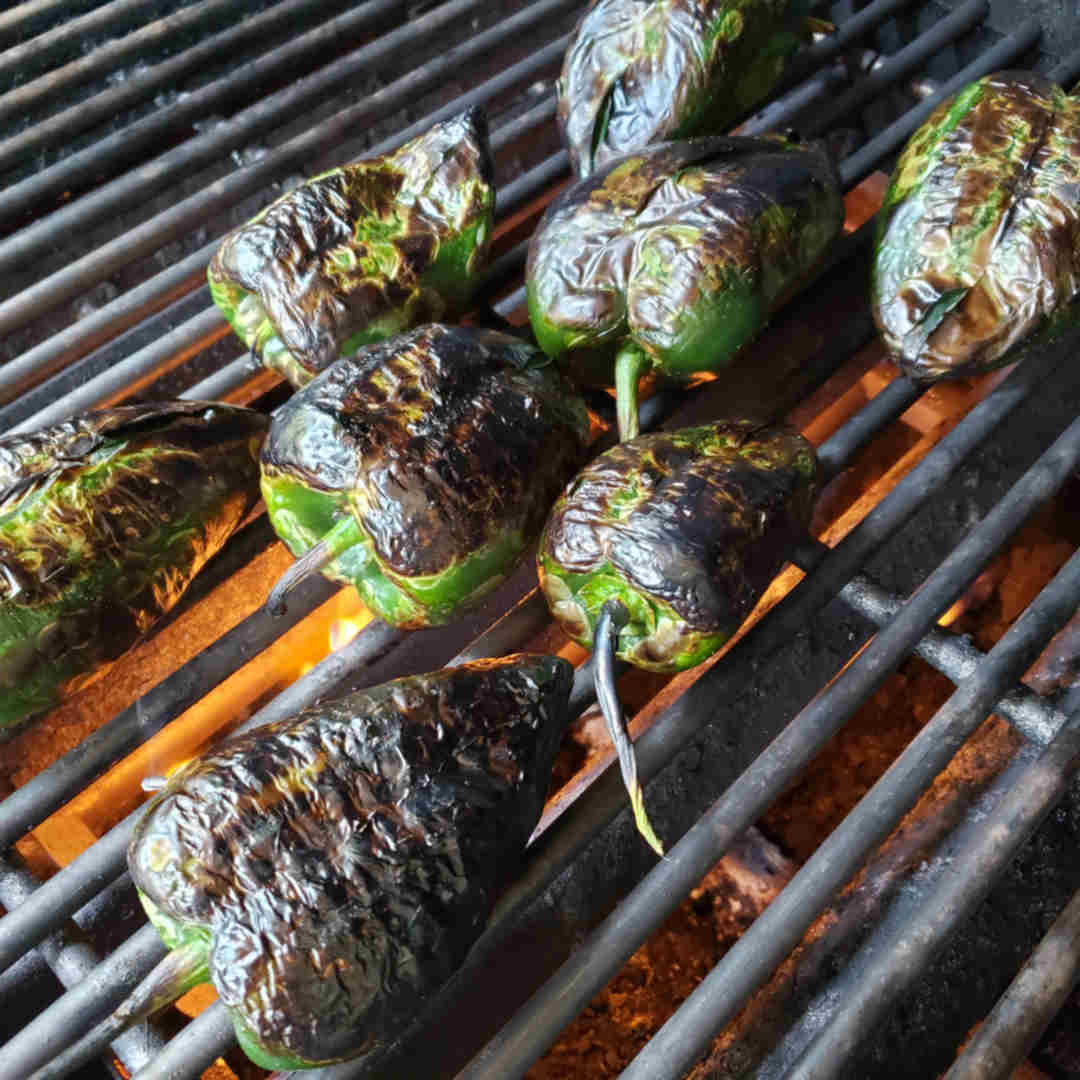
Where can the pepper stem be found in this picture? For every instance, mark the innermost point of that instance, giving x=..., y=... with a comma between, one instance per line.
x=173, y=977
x=342, y=536
x=630, y=364
x=613, y=617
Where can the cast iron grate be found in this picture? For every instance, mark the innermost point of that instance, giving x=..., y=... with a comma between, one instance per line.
x=118, y=182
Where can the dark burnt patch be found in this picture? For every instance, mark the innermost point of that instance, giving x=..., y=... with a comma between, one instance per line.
x=626, y=252
x=440, y=439
x=388, y=851
x=705, y=532
x=308, y=257
x=164, y=465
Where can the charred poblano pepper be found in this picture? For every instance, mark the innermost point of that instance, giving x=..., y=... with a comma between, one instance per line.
x=421, y=468
x=645, y=71
x=362, y=251
x=329, y=872
x=661, y=547
x=673, y=259
x=104, y=521
x=979, y=234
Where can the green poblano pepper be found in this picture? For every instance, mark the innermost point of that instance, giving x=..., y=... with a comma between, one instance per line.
x=104, y=521
x=361, y=252
x=638, y=72
x=685, y=529
x=979, y=234
x=420, y=469
x=329, y=872
x=673, y=259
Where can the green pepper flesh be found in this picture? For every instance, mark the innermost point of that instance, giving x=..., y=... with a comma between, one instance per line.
x=638, y=72
x=104, y=521
x=445, y=446
x=979, y=235
x=684, y=250
x=361, y=252
x=340, y=864
x=685, y=529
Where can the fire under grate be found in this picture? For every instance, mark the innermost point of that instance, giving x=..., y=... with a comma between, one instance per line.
x=109, y=232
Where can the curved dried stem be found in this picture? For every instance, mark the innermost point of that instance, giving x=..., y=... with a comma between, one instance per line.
x=613, y=618
x=342, y=536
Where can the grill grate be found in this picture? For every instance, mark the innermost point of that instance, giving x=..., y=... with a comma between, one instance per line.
x=162, y=331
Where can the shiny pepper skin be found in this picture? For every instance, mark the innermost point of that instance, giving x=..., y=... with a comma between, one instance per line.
x=335, y=868
x=639, y=72
x=361, y=252
x=673, y=259
x=979, y=235
x=686, y=528
x=429, y=462
x=104, y=521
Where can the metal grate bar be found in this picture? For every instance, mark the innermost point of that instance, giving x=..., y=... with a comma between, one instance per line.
x=104, y=861
x=885, y=407
x=108, y=56
x=196, y=1048
x=45, y=793
x=93, y=990
x=101, y=988
x=24, y=18
x=842, y=562
x=18, y=60
x=91, y=390
x=71, y=959
x=1029, y=1005
x=65, y=892
x=910, y=945
x=226, y=380
x=1005, y=52
x=819, y=86
x=1067, y=70
x=139, y=184
x=681, y=722
x=109, y=103
x=675, y=1048
x=201, y=330
x=752, y=959
x=849, y=31
x=1035, y=717
x=25, y=371
x=41, y=361
x=911, y=58
x=125, y=145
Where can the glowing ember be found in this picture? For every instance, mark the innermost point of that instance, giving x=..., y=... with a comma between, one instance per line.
x=343, y=631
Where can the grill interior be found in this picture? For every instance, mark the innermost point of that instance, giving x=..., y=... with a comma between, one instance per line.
x=133, y=135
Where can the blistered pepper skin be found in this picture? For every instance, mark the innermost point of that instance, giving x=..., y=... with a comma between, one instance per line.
x=340, y=864
x=639, y=72
x=680, y=253
x=979, y=234
x=361, y=252
x=104, y=521
x=444, y=447
x=686, y=528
